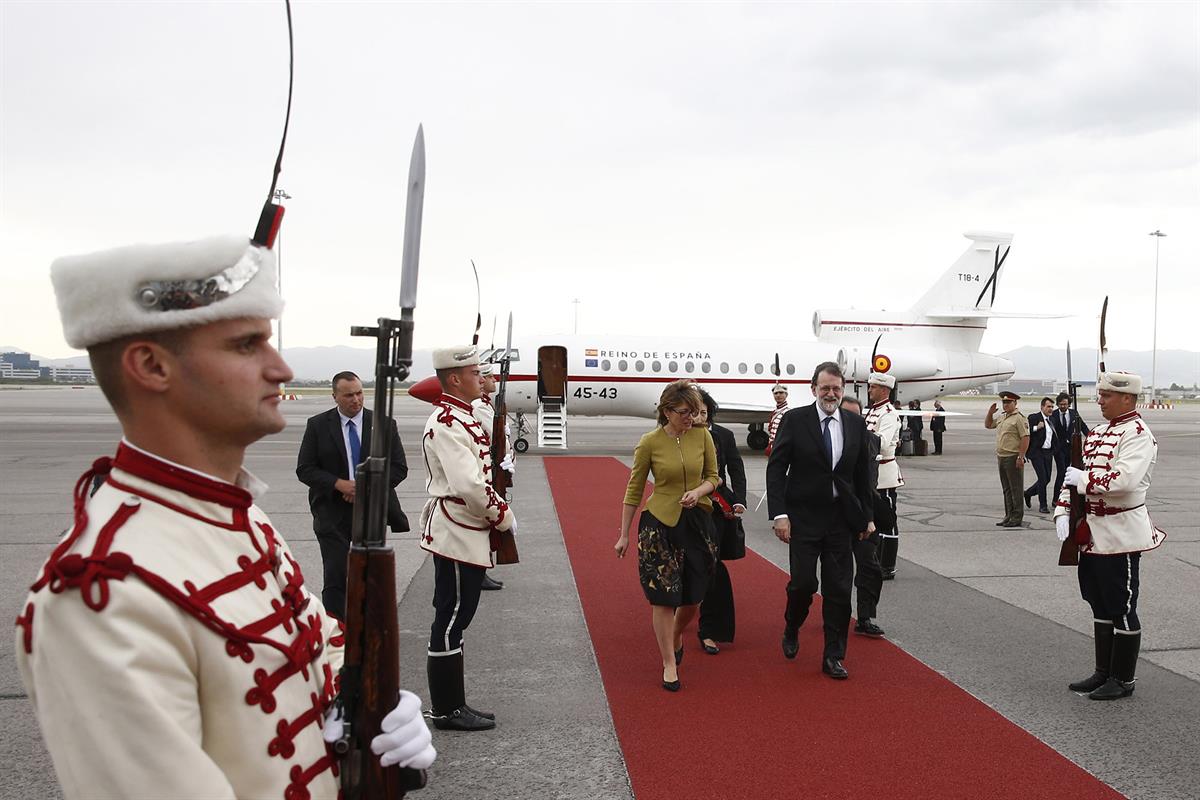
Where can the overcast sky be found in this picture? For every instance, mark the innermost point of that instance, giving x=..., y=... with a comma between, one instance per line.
x=683, y=168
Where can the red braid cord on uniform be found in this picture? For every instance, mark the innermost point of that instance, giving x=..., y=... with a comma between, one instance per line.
x=287, y=730
x=301, y=778
x=100, y=467
x=25, y=623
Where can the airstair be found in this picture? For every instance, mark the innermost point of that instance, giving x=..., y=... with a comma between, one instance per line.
x=552, y=423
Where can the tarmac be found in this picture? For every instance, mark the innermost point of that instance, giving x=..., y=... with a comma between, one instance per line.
x=986, y=607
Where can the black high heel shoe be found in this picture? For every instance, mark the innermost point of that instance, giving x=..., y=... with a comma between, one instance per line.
x=678, y=657
x=671, y=686
x=711, y=649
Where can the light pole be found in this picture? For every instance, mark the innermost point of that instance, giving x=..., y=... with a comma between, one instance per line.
x=1158, y=236
x=576, y=302
x=280, y=195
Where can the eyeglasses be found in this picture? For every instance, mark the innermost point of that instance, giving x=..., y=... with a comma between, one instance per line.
x=683, y=412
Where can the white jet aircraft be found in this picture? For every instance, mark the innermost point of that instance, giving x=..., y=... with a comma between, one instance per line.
x=932, y=349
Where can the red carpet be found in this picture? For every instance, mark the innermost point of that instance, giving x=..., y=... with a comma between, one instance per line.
x=750, y=724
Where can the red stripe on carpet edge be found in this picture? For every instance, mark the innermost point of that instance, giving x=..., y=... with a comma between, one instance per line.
x=750, y=724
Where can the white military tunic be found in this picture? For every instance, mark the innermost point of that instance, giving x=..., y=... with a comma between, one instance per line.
x=463, y=509
x=1119, y=459
x=883, y=421
x=170, y=648
x=773, y=423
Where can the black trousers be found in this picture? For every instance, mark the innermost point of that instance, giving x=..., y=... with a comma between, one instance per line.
x=717, y=619
x=1043, y=462
x=335, y=549
x=868, y=575
x=937, y=442
x=826, y=539
x=1062, y=460
x=455, y=600
x=1110, y=585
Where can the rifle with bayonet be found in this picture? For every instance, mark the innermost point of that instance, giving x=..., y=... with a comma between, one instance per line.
x=1068, y=556
x=370, y=675
x=503, y=542
x=1080, y=534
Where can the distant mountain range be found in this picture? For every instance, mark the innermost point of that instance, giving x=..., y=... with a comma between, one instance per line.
x=1174, y=366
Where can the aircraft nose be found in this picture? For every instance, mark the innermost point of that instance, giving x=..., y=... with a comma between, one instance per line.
x=428, y=389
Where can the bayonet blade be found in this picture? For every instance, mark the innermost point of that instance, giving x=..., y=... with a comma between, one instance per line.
x=508, y=344
x=478, y=304
x=412, y=223
x=1103, y=337
x=1070, y=381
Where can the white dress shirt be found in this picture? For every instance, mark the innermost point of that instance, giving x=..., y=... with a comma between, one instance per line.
x=1049, y=433
x=357, y=419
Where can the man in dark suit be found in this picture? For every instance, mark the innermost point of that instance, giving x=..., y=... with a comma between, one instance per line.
x=1062, y=421
x=335, y=443
x=819, y=494
x=1041, y=452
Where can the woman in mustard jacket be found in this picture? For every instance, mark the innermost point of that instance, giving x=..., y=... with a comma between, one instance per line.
x=676, y=546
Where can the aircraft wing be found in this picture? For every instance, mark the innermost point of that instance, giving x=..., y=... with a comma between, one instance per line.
x=977, y=313
x=743, y=412
x=904, y=412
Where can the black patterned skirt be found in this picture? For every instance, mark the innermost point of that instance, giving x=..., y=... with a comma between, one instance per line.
x=675, y=563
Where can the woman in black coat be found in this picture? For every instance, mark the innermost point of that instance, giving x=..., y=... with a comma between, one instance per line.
x=716, y=611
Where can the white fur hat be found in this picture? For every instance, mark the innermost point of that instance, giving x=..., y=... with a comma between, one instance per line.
x=779, y=387
x=882, y=379
x=1123, y=382
x=454, y=357
x=156, y=287
x=487, y=368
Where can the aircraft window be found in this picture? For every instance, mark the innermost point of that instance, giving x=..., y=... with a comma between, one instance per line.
x=689, y=367
x=742, y=368
x=622, y=365
x=791, y=369
x=639, y=366
x=673, y=366
x=706, y=367
x=724, y=366
x=656, y=366
x=606, y=365
x=758, y=369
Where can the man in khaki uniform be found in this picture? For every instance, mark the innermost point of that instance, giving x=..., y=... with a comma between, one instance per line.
x=1012, y=440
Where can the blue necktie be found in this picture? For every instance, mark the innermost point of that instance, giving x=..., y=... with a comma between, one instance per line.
x=355, y=447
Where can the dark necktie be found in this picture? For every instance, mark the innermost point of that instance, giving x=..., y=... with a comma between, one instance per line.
x=355, y=446
x=829, y=448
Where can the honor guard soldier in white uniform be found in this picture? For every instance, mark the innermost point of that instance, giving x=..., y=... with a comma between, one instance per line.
x=780, y=393
x=456, y=526
x=1118, y=459
x=169, y=645
x=884, y=422
x=485, y=412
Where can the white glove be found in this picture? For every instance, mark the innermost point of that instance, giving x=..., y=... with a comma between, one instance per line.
x=332, y=731
x=513, y=528
x=1076, y=477
x=1062, y=526
x=405, y=739
x=507, y=464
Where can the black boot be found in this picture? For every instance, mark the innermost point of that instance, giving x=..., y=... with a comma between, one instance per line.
x=889, y=547
x=1124, y=665
x=1104, y=644
x=447, y=697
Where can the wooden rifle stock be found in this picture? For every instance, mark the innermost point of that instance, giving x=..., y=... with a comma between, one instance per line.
x=370, y=675
x=504, y=543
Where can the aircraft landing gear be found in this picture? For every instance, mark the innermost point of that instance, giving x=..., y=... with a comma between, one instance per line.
x=757, y=438
x=521, y=443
